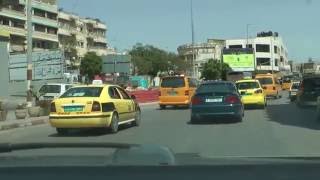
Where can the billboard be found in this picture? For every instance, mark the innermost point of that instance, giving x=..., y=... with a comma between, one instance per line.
x=46, y=65
x=239, y=59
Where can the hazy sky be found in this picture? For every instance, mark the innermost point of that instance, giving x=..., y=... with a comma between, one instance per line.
x=166, y=23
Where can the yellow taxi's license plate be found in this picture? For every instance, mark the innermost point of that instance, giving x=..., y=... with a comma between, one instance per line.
x=73, y=109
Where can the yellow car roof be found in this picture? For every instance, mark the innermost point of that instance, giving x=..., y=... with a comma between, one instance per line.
x=247, y=80
x=95, y=85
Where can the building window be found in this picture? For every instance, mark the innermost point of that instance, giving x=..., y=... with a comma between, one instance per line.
x=235, y=46
x=275, y=49
x=38, y=12
x=262, y=48
x=263, y=62
x=4, y=22
x=276, y=62
x=18, y=24
x=52, y=30
x=281, y=59
x=39, y=28
x=250, y=46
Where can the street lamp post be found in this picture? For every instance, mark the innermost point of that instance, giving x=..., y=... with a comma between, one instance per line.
x=29, y=52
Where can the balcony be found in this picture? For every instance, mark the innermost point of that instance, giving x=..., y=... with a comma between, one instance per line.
x=45, y=36
x=99, y=39
x=43, y=6
x=13, y=14
x=100, y=51
x=45, y=21
x=100, y=26
x=14, y=30
x=65, y=32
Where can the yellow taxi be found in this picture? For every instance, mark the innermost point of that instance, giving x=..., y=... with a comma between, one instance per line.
x=94, y=106
x=286, y=83
x=176, y=91
x=251, y=92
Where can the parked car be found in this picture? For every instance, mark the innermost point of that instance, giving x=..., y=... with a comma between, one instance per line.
x=51, y=91
x=251, y=92
x=216, y=99
x=294, y=90
x=309, y=91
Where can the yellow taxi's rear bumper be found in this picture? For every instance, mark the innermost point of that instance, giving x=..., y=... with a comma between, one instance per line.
x=174, y=100
x=80, y=121
x=271, y=92
x=254, y=99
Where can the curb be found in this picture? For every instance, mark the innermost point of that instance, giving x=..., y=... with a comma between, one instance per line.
x=149, y=103
x=24, y=123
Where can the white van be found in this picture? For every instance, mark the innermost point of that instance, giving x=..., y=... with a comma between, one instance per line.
x=52, y=91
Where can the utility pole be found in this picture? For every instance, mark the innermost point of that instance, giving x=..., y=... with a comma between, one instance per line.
x=192, y=35
x=29, y=52
x=247, y=43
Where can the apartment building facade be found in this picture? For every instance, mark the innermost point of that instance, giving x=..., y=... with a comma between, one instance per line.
x=13, y=19
x=212, y=49
x=78, y=35
x=269, y=50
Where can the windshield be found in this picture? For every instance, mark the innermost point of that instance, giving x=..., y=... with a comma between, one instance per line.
x=216, y=87
x=265, y=81
x=295, y=85
x=204, y=78
x=173, y=82
x=50, y=89
x=83, y=92
x=247, y=85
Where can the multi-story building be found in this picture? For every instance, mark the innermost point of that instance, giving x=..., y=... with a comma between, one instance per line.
x=270, y=52
x=212, y=49
x=78, y=35
x=44, y=22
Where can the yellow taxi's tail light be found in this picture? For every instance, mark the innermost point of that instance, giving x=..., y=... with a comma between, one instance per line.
x=259, y=91
x=96, y=106
x=53, y=107
x=186, y=92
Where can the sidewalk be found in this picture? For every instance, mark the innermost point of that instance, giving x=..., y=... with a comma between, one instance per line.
x=12, y=122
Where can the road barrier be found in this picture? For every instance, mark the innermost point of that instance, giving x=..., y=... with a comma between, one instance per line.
x=144, y=96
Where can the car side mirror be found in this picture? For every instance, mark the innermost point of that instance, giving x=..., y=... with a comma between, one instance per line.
x=133, y=97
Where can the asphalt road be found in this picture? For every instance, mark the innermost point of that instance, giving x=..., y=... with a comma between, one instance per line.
x=281, y=129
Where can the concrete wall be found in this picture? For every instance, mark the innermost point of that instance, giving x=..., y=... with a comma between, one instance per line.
x=4, y=75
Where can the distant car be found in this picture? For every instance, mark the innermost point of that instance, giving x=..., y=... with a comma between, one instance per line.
x=214, y=99
x=309, y=91
x=94, y=106
x=51, y=91
x=251, y=92
x=294, y=90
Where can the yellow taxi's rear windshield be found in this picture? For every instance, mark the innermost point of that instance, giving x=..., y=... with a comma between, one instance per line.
x=265, y=81
x=173, y=82
x=83, y=92
x=247, y=85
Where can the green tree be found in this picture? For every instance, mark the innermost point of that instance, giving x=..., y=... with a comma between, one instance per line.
x=149, y=60
x=91, y=65
x=213, y=70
